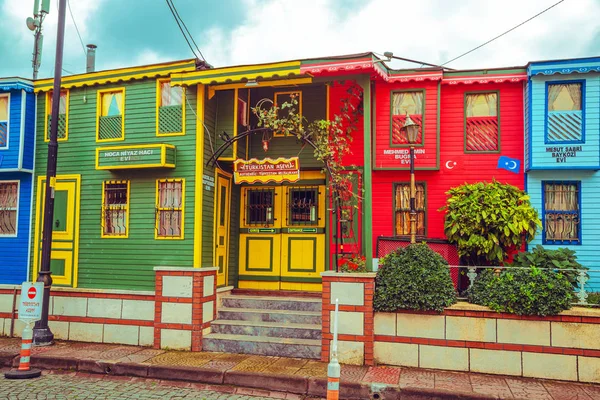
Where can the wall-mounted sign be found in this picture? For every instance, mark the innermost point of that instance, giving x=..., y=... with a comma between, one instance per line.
x=266, y=170
x=158, y=155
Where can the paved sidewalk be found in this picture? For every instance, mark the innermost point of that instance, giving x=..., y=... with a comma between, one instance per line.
x=297, y=376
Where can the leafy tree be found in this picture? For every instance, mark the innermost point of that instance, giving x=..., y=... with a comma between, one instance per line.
x=489, y=221
x=560, y=259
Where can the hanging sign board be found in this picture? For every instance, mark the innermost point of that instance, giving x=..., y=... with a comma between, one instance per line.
x=30, y=303
x=266, y=170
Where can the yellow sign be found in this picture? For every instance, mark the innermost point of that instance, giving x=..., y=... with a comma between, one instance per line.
x=266, y=170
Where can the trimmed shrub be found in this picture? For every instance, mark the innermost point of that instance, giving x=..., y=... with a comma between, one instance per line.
x=559, y=259
x=529, y=291
x=413, y=278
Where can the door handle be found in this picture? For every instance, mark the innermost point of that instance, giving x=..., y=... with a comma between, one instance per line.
x=57, y=223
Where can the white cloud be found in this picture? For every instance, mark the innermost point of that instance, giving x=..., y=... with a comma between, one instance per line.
x=429, y=30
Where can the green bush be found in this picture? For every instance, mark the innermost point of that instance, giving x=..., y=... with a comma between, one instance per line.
x=559, y=259
x=530, y=291
x=414, y=278
x=594, y=298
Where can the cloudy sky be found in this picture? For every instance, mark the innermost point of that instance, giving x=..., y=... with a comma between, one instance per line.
x=229, y=32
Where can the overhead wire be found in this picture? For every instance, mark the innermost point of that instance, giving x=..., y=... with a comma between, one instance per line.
x=76, y=28
x=504, y=33
x=186, y=29
x=180, y=22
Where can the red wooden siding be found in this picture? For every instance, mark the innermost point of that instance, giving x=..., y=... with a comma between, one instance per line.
x=456, y=167
x=337, y=93
x=383, y=103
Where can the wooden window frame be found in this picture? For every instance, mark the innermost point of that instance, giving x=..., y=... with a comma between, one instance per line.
x=183, y=104
x=288, y=92
x=479, y=92
x=47, y=114
x=12, y=235
x=582, y=82
x=7, y=145
x=99, y=95
x=395, y=209
x=391, y=134
x=579, y=240
x=103, y=234
x=159, y=209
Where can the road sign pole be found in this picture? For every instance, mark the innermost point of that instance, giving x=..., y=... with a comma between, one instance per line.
x=333, y=369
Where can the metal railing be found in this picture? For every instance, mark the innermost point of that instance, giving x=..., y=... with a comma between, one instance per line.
x=588, y=280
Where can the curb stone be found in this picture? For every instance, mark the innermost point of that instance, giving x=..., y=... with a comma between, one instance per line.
x=258, y=380
x=190, y=374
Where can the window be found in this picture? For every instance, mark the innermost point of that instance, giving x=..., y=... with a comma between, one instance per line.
x=9, y=200
x=4, y=121
x=481, y=122
x=110, y=124
x=403, y=104
x=303, y=206
x=169, y=208
x=259, y=207
x=62, y=132
x=287, y=97
x=565, y=115
x=562, y=212
x=402, y=209
x=115, y=209
x=170, y=112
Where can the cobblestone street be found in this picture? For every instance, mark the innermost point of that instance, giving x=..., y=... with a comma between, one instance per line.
x=85, y=386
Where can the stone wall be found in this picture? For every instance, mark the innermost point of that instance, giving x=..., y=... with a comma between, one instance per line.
x=173, y=316
x=467, y=337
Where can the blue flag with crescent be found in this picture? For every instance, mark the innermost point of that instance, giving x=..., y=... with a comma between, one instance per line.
x=509, y=164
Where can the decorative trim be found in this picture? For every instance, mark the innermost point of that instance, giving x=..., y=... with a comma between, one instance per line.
x=511, y=78
x=564, y=71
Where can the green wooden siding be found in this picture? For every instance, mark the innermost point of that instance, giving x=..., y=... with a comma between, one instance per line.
x=208, y=198
x=234, y=237
x=123, y=263
x=223, y=118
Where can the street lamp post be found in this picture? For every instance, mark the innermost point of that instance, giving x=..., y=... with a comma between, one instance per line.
x=412, y=132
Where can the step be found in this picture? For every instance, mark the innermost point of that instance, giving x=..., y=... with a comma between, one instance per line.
x=262, y=345
x=261, y=315
x=272, y=303
x=270, y=329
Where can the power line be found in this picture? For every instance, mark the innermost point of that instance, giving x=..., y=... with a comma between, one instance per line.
x=502, y=34
x=177, y=20
x=76, y=28
x=186, y=29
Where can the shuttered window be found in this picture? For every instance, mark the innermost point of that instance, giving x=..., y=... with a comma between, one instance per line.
x=9, y=202
x=170, y=199
x=565, y=114
x=481, y=120
x=406, y=103
x=402, y=209
x=562, y=212
x=115, y=209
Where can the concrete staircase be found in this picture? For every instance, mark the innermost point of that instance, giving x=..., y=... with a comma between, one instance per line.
x=271, y=326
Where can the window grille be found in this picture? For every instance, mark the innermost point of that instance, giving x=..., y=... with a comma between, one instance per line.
x=481, y=114
x=169, y=210
x=402, y=209
x=561, y=213
x=3, y=121
x=403, y=103
x=303, y=205
x=260, y=207
x=170, y=108
x=9, y=200
x=115, y=208
x=110, y=123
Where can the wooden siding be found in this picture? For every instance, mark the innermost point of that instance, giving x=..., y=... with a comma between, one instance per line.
x=234, y=236
x=14, y=250
x=337, y=93
x=224, y=119
x=551, y=156
x=469, y=167
x=384, y=155
x=29, y=140
x=118, y=262
x=10, y=156
x=587, y=251
x=208, y=198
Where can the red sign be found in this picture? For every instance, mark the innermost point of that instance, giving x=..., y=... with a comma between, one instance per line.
x=266, y=170
x=31, y=292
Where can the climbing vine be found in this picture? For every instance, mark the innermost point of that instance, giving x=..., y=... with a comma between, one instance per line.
x=330, y=139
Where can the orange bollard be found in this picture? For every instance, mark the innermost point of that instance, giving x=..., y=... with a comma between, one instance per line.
x=24, y=371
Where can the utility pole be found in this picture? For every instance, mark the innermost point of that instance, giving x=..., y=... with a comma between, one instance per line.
x=41, y=333
x=35, y=24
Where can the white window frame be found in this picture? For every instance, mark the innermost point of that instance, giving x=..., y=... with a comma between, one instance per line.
x=16, y=209
x=7, y=95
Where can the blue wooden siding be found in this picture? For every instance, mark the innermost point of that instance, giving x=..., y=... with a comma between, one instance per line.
x=29, y=142
x=14, y=251
x=587, y=251
x=548, y=154
x=10, y=156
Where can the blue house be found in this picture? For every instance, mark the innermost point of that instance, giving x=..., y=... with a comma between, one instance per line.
x=17, y=141
x=562, y=155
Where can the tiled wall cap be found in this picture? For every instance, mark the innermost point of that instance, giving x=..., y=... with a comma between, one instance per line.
x=185, y=269
x=349, y=274
x=103, y=291
x=575, y=311
x=225, y=289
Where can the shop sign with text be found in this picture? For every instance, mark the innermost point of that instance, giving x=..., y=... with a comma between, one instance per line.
x=266, y=170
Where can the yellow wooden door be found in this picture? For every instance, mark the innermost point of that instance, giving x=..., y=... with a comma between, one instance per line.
x=260, y=237
x=65, y=229
x=222, y=214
